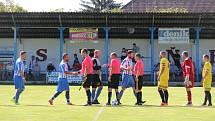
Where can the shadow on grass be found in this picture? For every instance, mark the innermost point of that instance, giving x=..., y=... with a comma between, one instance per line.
x=119, y=106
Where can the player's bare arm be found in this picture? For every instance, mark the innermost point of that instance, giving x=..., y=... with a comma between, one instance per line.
x=161, y=72
x=203, y=78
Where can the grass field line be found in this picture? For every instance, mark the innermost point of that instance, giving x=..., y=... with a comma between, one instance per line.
x=98, y=114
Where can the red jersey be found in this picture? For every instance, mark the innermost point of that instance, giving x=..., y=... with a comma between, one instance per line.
x=87, y=64
x=188, y=69
x=115, y=66
x=139, y=66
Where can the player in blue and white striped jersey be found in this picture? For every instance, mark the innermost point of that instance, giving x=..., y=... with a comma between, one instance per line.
x=19, y=78
x=127, y=75
x=63, y=84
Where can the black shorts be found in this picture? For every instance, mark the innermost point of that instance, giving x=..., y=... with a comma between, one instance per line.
x=139, y=85
x=88, y=81
x=114, y=82
x=96, y=82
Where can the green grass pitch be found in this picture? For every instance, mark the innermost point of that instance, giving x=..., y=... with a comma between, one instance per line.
x=34, y=106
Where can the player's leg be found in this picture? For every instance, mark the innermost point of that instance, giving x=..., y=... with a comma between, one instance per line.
x=166, y=96
x=67, y=95
x=98, y=91
x=139, y=94
x=117, y=96
x=109, y=96
x=122, y=92
x=189, y=96
x=86, y=86
x=19, y=86
x=94, y=86
x=93, y=94
x=54, y=96
x=161, y=93
x=209, y=98
x=206, y=98
x=17, y=95
x=136, y=90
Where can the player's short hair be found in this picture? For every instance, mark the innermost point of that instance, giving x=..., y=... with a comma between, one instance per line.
x=206, y=56
x=130, y=51
x=138, y=55
x=185, y=53
x=64, y=55
x=84, y=50
x=22, y=52
x=113, y=54
x=96, y=51
x=163, y=53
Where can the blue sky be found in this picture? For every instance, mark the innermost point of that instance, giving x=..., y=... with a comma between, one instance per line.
x=47, y=5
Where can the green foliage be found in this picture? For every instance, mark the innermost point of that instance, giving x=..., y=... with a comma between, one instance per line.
x=10, y=6
x=99, y=5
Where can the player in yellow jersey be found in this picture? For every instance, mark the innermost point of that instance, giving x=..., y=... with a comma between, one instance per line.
x=163, y=78
x=207, y=79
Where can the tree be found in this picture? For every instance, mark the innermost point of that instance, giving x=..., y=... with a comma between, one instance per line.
x=10, y=6
x=99, y=5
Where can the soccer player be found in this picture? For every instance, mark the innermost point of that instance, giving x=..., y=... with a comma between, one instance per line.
x=87, y=73
x=127, y=75
x=96, y=82
x=114, y=77
x=163, y=78
x=63, y=84
x=19, y=78
x=188, y=74
x=207, y=79
x=138, y=73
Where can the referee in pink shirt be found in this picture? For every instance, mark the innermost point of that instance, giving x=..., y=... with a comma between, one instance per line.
x=87, y=73
x=138, y=74
x=114, y=77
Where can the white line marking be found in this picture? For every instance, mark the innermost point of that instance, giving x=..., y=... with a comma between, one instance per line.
x=98, y=114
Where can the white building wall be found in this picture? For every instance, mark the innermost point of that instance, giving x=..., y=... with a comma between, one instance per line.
x=116, y=45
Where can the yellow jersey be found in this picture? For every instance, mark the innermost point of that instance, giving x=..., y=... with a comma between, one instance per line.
x=208, y=79
x=164, y=78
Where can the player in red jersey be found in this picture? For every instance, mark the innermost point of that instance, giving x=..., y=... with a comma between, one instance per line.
x=188, y=74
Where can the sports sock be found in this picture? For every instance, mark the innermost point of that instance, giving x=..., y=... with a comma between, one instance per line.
x=206, y=97
x=98, y=92
x=18, y=92
x=88, y=96
x=56, y=95
x=166, y=95
x=138, y=97
x=161, y=95
x=209, y=97
x=93, y=94
x=67, y=96
x=120, y=94
x=189, y=96
x=135, y=94
x=109, y=96
x=141, y=96
x=117, y=96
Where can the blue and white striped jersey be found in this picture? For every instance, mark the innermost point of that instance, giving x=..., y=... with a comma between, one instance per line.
x=19, y=66
x=63, y=67
x=127, y=62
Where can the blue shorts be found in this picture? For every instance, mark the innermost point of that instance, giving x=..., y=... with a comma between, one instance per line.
x=18, y=82
x=127, y=81
x=63, y=85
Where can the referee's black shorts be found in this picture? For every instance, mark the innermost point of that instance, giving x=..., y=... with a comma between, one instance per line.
x=114, y=82
x=88, y=81
x=139, y=84
x=96, y=82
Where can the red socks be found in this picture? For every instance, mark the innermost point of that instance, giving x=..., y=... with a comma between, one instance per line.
x=189, y=96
